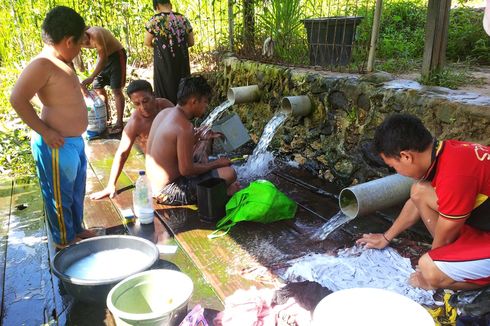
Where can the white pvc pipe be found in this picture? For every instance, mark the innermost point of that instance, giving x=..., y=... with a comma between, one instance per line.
x=243, y=94
x=297, y=106
x=375, y=195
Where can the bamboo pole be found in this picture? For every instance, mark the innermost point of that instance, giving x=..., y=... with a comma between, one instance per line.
x=374, y=35
x=231, y=25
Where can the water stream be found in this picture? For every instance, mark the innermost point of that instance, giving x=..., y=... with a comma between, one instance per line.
x=216, y=113
x=331, y=225
x=258, y=163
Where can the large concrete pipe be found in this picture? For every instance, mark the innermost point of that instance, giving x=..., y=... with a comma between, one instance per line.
x=297, y=106
x=374, y=195
x=243, y=94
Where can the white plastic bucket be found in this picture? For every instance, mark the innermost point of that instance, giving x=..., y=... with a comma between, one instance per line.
x=369, y=306
x=155, y=297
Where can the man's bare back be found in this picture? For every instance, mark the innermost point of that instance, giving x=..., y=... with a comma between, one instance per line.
x=58, y=89
x=101, y=39
x=161, y=159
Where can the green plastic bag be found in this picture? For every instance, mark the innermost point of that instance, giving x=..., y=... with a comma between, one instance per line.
x=260, y=202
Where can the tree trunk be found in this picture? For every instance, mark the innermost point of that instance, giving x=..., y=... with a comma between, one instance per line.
x=248, y=26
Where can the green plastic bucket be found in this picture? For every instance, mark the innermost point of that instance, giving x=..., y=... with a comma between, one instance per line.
x=155, y=297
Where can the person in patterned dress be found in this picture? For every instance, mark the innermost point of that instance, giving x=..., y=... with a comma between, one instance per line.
x=170, y=35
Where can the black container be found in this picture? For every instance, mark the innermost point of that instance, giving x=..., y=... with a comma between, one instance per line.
x=95, y=291
x=211, y=199
x=331, y=39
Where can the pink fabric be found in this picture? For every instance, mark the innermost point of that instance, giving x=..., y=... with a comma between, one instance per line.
x=195, y=317
x=253, y=308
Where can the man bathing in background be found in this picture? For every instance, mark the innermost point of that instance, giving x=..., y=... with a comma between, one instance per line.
x=57, y=145
x=451, y=197
x=172, y=171
x=110, y=69
x=137, y=129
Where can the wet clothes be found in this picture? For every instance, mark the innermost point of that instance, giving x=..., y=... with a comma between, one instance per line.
x=183, y=191
x=307, y=294
x=460, y=174
x=62, y=176
x=170, y=52
x=114, y=72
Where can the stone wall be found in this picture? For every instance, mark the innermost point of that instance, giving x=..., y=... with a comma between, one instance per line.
x=333, y=140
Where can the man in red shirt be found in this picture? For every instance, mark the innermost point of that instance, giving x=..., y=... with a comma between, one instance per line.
x=451, y=198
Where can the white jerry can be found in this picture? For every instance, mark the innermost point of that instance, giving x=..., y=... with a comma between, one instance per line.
x=97, y=115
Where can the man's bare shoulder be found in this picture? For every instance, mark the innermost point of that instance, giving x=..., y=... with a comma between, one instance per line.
x=42, y=62
x=163, y=103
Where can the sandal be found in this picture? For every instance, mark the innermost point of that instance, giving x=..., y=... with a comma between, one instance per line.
x=115, y=130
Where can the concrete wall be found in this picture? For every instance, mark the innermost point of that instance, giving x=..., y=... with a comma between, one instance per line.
x=332, y=140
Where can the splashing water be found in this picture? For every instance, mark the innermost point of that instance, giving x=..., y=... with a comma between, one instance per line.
x=332, y=224
x=215, y=114
x=259, y=162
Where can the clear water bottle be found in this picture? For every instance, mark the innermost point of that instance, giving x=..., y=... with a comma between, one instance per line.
x=142, y=200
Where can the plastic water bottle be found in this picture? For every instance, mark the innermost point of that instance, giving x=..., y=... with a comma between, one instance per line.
x=142, y=200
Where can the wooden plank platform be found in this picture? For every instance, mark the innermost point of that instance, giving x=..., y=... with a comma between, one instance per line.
x=247, y=256
x=242, y=259
x=98, y=152
x=28, y=293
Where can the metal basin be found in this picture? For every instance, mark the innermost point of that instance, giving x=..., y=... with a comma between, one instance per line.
x=95, y=291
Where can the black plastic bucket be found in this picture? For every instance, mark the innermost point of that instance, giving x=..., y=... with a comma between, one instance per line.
x=331, y=39
x=211, y=199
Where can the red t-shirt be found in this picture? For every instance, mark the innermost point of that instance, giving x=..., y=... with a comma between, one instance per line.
x=461, y=177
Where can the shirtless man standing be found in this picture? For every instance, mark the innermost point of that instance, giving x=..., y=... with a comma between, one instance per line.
x=169, y=154
x=57, y=145
x=109, y=70
x=138, y=127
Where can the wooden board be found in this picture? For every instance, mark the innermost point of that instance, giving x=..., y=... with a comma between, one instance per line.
x=28, y=293
x=155, y=232
x=5, y=199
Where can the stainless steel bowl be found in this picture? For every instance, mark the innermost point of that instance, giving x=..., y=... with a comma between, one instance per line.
x=95, y=291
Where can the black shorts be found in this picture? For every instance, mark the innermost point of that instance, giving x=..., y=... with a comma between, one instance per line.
x=114, y=72
x=183, y=191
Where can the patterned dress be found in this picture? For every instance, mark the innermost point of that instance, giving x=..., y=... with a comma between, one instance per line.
x=170, y=52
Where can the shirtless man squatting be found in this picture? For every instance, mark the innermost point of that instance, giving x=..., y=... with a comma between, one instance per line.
x=170, y=164
x=137, y=129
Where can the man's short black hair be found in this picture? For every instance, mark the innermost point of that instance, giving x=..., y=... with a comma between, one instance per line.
x=157, y=2
x=401, y=132
x=196, y=86
x=62, y=21
x=139, y=85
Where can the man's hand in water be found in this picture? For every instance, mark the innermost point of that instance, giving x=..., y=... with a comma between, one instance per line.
x=108, y=191
x=373, y=241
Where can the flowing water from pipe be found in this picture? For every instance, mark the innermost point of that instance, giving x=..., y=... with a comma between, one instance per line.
x=215, y=114
x=258, y=163
x=331, y=225
x=200, y=151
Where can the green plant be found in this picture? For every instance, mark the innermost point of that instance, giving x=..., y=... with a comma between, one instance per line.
x=15, y=151
x=451, y=77
x=466, y=38
x=281, y=20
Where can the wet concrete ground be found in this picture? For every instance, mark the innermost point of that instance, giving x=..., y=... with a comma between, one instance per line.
x=32, y=295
